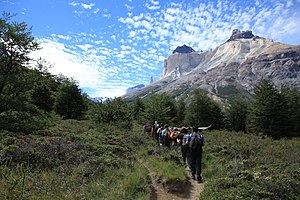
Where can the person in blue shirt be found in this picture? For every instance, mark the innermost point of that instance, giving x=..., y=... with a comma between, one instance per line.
x=196, y=148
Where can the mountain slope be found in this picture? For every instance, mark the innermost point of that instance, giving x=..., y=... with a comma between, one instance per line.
x=234, y=67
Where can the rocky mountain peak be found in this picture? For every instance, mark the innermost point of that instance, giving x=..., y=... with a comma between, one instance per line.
x=238, y=34
x=183, y=49
x=132, y=89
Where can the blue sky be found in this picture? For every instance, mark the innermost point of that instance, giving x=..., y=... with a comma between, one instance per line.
x=110, y=45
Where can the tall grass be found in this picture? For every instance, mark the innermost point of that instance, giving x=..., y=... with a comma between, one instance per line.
x=167, y=170
x=73, y=160
x=241, y=166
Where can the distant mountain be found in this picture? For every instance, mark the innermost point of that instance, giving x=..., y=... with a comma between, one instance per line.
x=132, y=89
x=100, y=99
x=183, y=49
x=231, y=69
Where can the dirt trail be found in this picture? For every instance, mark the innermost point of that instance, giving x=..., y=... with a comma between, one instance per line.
x=160, y=191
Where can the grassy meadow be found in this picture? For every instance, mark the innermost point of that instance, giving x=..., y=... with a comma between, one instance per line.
x=79, y=160
x=243, y=166
x=73, y=160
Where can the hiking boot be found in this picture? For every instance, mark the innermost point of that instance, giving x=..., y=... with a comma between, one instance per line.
x=200, y=179
x=193, y=177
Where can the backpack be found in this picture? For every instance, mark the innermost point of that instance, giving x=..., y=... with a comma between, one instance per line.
x=196, y=142
x=148, y=128
x=164, y=133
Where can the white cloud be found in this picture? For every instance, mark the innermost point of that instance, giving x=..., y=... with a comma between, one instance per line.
x=68, y=64
x=85, y=47
x=64, y=37
x=74, y=4
x=96, y=10
x=85, y=67
x=152, y=7
x=113, y=37
x=106, y=16
x=132, y=34
x=154, y=2
x=129, y=8
x=87, y=6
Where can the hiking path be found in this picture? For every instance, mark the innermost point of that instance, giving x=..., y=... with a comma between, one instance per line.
x=174, y=191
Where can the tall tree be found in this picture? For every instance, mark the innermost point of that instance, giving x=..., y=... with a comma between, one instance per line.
x=236, y=114
x=203, y=111
x=161, y=108
x=16, y=43
x=268, y=114
x=44, y=86
x=181, y=109
x=292, y=99
x=69, y=101
x=115, y=111
x=17, y=113
x=42, y=98
x=138, y=108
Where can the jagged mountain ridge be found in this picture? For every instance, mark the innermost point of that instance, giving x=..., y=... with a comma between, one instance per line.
x=132, y=89
x=238, y=64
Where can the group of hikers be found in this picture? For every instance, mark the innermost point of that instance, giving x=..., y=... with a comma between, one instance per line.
x=189, y=139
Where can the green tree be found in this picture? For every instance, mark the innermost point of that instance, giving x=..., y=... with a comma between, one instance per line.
x=17, y=80
x=236, y=114
x=16, y=43
x=116, y=111
x=181, y=109
x=161, y=108
x=69, y=102
x=42, y=98
x=268, y=114
x=138, y=108
x=203, y=111
x=292, y=99
x=44, y=86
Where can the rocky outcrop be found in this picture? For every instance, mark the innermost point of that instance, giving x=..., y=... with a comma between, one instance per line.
x=132, y=89
x=237, y=34
x=177, y=65
x=240, y=63
x=183, y=49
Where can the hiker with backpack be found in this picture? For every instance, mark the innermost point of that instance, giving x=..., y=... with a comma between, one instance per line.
x=166, y=136
x=148, y=128
x=159, y=132
x=184, y=137
x=154, y=132
x=196, y=144
x=174, y=135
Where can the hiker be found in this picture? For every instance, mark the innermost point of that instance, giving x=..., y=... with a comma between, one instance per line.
x=184, y=137
x=154, y=133
x=166, y=136
x=196, y=143
x=159, y=132
x=148, y=128
x=188, y=153
x=174, y=135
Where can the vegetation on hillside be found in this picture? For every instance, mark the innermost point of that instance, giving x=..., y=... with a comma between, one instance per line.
x=30, y=96
x=73, y=160
x=244, y=166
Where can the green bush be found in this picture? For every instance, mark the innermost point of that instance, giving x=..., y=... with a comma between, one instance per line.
x=73, y=160
x=243, y=166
